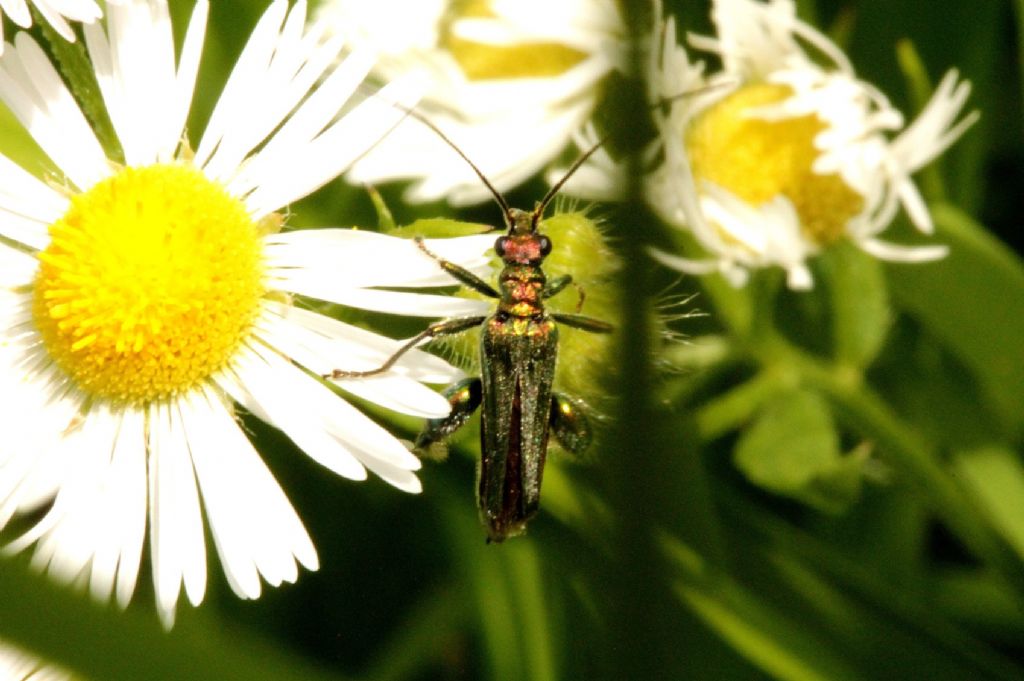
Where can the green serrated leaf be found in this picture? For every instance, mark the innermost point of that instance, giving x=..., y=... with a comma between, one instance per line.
x=974, y=302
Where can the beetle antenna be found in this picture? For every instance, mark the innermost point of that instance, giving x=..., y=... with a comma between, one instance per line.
x=539, y=210
x=543, y=203
x=447, y=140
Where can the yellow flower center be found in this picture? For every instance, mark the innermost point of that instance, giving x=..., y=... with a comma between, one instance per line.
x=150, y=282
x=480, y=61
x=757, y=159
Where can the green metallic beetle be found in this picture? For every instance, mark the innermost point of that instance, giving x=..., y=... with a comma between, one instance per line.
x=518, y=351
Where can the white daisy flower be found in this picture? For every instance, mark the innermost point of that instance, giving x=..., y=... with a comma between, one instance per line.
x=140, y=302
x=56, y=13
x=17, y=665
x=784, y=151
x=510, y=81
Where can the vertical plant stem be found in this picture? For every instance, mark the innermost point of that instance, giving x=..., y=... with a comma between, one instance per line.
x=1019, y=11
x=653, y=476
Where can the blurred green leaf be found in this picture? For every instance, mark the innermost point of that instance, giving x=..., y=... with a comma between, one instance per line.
x=996, y=478
x=933, y=388
x=980, y=600
x=764, y=634
x=514, y=603
x=973, y=301
x=105, y=644
x=885, y=630
x=859, y=303
x=793, y=449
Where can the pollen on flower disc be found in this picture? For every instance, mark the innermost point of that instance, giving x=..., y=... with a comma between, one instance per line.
x=150, y=282
x=757, y=159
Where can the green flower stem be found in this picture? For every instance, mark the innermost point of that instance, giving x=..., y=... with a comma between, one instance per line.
x=1018, y=6
x=76, y=69
x=911, y=456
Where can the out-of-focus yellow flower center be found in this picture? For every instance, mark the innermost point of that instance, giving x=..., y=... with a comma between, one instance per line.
x=757, y=159
x=480, y=61
x=149, y=284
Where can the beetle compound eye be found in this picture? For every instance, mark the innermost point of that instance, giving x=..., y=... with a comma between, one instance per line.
x=499, y=246
x=545, y=245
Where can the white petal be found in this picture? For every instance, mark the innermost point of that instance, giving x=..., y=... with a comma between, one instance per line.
x=35, y=93
x=322, y=343
x=360, y=258
x=294, y=139
x=130, y=482
x=245, y=79
x=412, y=304
x=685, y=265
x=188, y=69
x=906, y=254
x=275, y=387
x=326, y=427
x=255, y=528
x=176, y=539
x=337, y=147
x=28, y=205
x=390, y=390
x=18, y=12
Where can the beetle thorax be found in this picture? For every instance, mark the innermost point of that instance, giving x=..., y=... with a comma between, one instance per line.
x=522, y=288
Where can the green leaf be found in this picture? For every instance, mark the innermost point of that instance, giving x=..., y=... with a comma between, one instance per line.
x=949, y=406
x=783, y=647
x=996, y=478
x=793, y=449
x=437, y=228
x=104, y=644
x=861, y=315
x=973, y=301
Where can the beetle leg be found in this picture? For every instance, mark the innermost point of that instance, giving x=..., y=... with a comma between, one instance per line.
x=569, y=424
x=578, y=321
x=442, y=328
x=464, y=276
x=464, y=397
x=556, y=285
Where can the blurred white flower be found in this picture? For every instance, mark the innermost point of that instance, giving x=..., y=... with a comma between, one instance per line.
x=139, y=302
x=17, y=665
x=784, y=150
x=510, y=82
x=56, y=12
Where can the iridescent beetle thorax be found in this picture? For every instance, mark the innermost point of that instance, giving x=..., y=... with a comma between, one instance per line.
x=522, y=280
